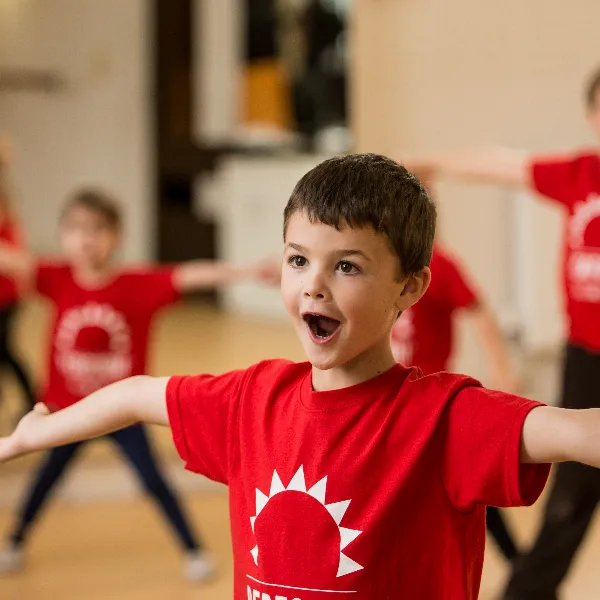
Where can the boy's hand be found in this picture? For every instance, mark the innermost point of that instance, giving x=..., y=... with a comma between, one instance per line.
x=21, y=441
x=268, y=272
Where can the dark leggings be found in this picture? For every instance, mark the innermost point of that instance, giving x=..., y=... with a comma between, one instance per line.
x=133, y=443
x=7, y=357
x=499, y=531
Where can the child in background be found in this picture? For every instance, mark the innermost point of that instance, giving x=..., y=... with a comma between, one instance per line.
x=423, y=336
x=349, y=474
x=10, y=233
x=103, y=317
x=572, y=181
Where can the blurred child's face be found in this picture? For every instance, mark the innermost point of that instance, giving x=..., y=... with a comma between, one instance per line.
x=342, y=291
x=86, y=238
x=593, y=114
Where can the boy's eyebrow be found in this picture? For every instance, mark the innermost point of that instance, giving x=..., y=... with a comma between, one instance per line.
x=351, y=252
x=339, y=253
x=296, y=247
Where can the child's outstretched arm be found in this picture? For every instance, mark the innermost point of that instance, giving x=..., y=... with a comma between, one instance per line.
x=6, y=152
x=487, y=165
x=16, y=262
x=137, y=399
x=561, y=435
x=206, y=274
x=501, y=371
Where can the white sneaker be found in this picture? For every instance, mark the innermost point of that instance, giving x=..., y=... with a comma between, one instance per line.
x=199, y=567
x=11, y=559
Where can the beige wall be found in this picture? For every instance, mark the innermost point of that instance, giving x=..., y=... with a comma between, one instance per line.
x=433, y=75
x=95, y=131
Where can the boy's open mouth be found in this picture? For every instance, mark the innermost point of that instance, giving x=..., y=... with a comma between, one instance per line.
x=321, y=327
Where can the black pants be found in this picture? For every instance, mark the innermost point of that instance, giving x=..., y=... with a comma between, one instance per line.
x=134, y=445
x=573, y=499
x=496, y=526
x=7, y=357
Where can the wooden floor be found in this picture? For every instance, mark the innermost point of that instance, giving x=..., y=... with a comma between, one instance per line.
x=102, y=540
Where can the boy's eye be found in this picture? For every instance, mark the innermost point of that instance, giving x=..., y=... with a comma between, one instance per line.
x=297, y=261
x=347, y=267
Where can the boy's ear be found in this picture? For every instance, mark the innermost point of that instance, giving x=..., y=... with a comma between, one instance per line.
x=413, y=288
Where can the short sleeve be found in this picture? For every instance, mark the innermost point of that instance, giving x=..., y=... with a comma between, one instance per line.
x=50, y=278
x=155, y=288
x=482, y=442
x=202, y=414
x=461, y=293
x=566, y=180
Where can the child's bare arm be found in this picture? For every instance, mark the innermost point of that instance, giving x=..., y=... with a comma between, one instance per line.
x=205, y=274
x=501, y=371
x=269, y=272
x=133, y=400
x=17, y=263
x=6, y=152
x=559, y=435
x=487, y=165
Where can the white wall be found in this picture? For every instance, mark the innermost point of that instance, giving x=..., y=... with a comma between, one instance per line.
x=432, y=75
x=254, y=192
x=95, y=131
x=217, y=64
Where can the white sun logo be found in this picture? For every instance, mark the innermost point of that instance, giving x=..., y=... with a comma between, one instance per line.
x=318, y=492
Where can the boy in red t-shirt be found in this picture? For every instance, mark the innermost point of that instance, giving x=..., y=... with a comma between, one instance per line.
x=348, y=474
x=103, y=317
x=573, y=181
x=10, y=233
x=423, y=336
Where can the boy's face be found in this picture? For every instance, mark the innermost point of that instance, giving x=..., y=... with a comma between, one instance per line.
x=593, y=114
x=342, y=291
x=86, y=238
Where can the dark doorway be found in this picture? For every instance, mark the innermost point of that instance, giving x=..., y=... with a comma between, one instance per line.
x=181, y=234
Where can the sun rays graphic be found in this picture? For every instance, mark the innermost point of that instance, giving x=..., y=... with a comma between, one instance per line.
x=318, y=492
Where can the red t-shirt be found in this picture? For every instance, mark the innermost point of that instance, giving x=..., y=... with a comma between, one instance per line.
x=100, y=335
x=10, y=234
x=575, y=183
x=423, y=335
x=373, y=491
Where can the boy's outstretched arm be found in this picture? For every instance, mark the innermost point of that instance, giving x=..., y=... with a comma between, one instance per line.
x=561, y=435
x=501, y=166
x=137, y=399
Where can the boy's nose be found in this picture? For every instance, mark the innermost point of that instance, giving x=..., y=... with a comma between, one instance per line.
x=315, y=287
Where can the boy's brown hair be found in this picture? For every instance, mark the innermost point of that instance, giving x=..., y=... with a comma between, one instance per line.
x=370, y=190
x=98, y=201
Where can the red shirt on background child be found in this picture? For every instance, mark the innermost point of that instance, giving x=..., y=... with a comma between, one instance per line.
x=423, y=335
x=99, y=335
x=10, y=234
x=575, y=183
x=372, y=491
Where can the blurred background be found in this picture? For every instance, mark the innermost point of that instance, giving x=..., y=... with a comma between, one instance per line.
x=201, y=115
